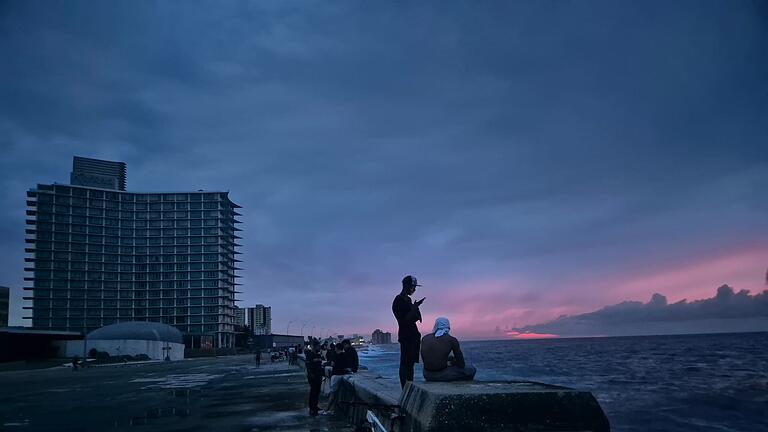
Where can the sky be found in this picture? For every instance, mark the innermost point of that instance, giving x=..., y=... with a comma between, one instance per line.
x=525, y=160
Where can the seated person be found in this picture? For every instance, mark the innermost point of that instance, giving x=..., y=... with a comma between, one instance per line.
x=339, y=369
x=436, y=350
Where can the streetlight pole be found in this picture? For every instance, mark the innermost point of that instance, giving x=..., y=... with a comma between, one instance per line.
x=312, y=333
x=301, y=333
x=288, y=327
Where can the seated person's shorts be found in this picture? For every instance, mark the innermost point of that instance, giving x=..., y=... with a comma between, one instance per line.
x=451, y=373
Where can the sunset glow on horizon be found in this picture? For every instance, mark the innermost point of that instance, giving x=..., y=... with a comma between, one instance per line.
x=518, y=335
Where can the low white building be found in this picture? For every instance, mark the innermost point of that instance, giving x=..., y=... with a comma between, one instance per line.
x=133, y=337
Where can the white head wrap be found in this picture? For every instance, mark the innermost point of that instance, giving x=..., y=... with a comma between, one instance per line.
x=442, y=326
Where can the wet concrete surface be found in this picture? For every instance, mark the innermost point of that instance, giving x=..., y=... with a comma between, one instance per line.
x=221, y=394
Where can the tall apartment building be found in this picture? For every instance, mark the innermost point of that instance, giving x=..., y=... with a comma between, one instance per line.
x=4, y=305
x=259, y=318
x=100, y=255
x=380, y=338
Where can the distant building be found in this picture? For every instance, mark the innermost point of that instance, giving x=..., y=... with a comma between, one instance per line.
x=259, y=319
x=98, y=255
x=276, y=341
x=240, y=317
x=4, y=305
x=380, y=338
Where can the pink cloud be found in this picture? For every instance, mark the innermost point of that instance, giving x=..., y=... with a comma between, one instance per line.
x=475, y=308
x=742, y=269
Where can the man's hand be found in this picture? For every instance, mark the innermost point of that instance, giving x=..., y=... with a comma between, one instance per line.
x=419, y=302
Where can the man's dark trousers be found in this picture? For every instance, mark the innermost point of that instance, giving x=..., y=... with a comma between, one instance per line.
x=409, y=356
x=314, y=393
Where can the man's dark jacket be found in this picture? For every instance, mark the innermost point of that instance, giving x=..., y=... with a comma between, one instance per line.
x=351, y=360
x=406, y=314
x=314, y=365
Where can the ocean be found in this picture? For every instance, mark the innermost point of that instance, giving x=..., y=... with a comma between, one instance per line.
x=714, y=382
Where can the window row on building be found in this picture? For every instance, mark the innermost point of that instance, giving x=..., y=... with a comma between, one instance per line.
x=64, y=200
x=47, y=228
x=134, y=291
x=220, y=311
x=90, y=324
x=77, y=213
x=128, y=196
x=122, y=303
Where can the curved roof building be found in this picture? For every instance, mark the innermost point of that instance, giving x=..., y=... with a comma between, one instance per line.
x=137, y=330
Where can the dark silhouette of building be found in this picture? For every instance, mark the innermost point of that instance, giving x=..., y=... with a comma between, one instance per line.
x=4, y=305
x=380, y=338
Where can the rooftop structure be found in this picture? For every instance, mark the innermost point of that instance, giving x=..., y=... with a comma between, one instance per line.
x=98, y=173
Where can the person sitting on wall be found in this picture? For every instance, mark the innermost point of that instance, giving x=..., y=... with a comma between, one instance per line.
x=330, y=356
x=341, y=367
x=436, y=350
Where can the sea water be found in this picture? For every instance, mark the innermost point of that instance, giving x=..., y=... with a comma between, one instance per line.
x=716, y=382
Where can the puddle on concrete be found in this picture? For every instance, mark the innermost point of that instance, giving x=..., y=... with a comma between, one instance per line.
x=275, y=375
x=277, y=419
x=185, y=392
x=179, y=381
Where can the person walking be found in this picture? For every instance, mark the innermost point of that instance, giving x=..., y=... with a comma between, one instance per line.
x=407, y=313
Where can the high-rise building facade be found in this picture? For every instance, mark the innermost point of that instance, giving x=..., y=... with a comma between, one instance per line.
x=100, y=256
x=259, y=319
x=4, y=305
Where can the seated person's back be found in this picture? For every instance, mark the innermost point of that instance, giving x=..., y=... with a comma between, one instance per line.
x=436, y=350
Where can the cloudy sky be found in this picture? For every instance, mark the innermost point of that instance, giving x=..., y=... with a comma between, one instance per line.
x=524, y=159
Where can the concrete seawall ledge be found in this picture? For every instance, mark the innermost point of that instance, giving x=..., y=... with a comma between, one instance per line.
x=513, y=406
x=471, y=406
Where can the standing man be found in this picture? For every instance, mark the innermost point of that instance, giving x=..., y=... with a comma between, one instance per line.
x=407, y=313
x=314, y=365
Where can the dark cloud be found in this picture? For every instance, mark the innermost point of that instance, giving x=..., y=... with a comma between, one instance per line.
x=726, y=311
x=549, y=141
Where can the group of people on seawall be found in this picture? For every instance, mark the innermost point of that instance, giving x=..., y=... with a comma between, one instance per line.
x=440, y=352
x=331, y=362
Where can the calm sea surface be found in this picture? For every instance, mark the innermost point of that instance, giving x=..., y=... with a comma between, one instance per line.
x=652, y=383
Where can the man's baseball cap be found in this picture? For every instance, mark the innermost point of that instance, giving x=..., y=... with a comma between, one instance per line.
x=410, y=281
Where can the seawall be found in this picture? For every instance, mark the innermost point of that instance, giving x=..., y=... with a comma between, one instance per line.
x=468, y=406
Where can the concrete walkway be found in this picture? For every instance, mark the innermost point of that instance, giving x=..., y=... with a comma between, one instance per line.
x=217, y=394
